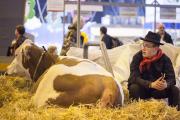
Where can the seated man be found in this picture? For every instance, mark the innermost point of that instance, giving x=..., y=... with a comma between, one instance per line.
x=166, y=37
x=152, y=73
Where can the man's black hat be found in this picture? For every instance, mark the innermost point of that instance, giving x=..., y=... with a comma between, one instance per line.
x=152, y=37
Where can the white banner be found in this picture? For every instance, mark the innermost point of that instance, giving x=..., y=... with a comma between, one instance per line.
x=164, y=2
x=163, y=14
x=55, y=5
x=73, y=7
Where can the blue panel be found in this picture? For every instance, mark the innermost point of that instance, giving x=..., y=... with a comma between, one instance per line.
x=148, y=26
x=169, y=25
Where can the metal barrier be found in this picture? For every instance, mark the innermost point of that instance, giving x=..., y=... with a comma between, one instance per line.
x=86, y=46
x=103, y=51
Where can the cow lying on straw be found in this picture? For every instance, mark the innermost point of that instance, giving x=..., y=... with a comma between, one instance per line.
x=121, y=57
x=71, y=81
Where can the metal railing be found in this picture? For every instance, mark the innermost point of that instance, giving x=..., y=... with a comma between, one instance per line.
x=104, y=54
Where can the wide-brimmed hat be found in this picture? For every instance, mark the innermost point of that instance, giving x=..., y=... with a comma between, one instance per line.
x=152, y=37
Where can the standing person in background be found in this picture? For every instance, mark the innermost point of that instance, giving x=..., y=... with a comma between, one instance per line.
x=164, y=35
x=70, y=39
x=107, y=39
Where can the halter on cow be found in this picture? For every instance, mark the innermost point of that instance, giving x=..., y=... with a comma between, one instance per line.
x=30, y=61
x=70, y=81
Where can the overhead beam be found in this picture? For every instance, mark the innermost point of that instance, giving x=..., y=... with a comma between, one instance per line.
x=121, y=4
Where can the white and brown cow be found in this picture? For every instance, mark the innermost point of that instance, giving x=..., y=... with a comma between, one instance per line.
x=70, y=81
x=121, y=57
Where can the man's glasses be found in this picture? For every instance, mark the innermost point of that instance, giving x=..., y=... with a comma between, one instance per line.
x=144, y=45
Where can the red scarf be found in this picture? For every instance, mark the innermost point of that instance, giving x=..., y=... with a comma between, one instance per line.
x=146, y=62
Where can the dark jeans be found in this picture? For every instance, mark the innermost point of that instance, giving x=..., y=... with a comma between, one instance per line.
x=172, y=93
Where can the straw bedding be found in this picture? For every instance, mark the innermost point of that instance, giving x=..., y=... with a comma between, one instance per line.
x=16, y=104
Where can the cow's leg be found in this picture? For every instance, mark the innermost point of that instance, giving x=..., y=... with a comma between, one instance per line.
x=110, y=94
x=106, y=99
x=65, y=99
x=78, y=89
x=88, y=94
x=87, y=89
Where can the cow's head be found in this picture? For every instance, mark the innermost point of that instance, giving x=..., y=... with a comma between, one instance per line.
x=30, y=61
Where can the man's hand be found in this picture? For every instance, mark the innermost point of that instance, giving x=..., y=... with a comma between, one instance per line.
x=159, y=84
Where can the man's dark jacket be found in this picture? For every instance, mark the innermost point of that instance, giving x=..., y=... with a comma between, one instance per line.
x=167, y=38
x=12, y=48
x=157, y=68
x=108, y=41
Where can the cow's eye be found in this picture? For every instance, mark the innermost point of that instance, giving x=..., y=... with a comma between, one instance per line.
x=15, y=54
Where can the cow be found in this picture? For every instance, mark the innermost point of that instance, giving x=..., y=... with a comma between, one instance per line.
x=67, y=80
x=121, y=57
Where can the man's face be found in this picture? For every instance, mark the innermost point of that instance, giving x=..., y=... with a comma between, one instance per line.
x=16, y=33
x=161, y=29
x=149, y=49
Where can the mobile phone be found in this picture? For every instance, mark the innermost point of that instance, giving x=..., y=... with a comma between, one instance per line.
x=163, y=76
